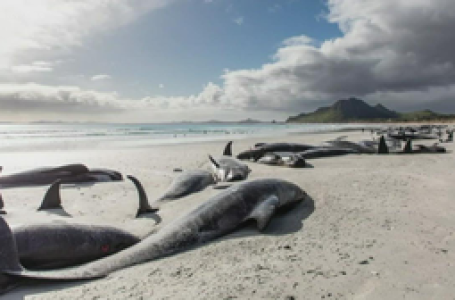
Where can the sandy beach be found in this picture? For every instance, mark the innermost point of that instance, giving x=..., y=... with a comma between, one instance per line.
x=376, y=227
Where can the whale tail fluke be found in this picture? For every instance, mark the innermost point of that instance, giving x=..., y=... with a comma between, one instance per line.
x=144, y=206
x=228, y=149
x=52, y=199
x=382, y=148
x=408, y=147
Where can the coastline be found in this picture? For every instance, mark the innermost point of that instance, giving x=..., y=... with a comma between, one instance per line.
x=53, y=137
x=378, y=227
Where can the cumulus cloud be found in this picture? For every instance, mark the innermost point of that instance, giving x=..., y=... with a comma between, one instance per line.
x=396, y=51
x=36, y=97
x=100, y=77
x=47, y=25
x=36, y=66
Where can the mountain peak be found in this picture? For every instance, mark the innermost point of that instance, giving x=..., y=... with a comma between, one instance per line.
x=350, y=109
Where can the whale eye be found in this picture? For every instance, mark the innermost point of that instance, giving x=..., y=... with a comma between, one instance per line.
x=105, y=248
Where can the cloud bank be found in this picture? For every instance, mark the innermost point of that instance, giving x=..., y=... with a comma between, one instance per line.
x=27, y=27
x=397, y=52
x=390, y=49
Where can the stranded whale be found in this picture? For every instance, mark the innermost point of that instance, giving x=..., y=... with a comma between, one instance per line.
x=253, y=200
x=75, y=173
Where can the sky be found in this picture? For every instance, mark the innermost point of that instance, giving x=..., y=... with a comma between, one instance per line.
x=147, y=61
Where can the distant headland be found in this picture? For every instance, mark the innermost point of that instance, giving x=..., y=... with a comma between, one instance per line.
x=357, y=110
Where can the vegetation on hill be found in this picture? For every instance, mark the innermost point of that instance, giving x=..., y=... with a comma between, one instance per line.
x=356, y=110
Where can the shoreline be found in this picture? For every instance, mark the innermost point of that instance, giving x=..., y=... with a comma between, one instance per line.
x=144, y=141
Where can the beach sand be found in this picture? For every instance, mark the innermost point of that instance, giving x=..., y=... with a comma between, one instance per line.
x=376, y=227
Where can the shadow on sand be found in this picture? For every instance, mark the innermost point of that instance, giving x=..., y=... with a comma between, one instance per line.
x=286, y=221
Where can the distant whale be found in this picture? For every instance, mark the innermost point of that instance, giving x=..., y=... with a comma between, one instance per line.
x=291, y=161
x=227, y=168
x=76, y=173
x=253, y=200
x=360, y=147
x=261, y=149
x=325, y=152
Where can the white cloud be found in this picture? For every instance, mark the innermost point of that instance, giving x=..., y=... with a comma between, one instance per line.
x=161, y=86
x=239, y=20
x=37, y=97
x=388, y=47
x=35, y=67
x=28, y=27
x=100, y=77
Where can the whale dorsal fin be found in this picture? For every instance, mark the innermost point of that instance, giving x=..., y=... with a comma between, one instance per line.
x=382, y=148
x=228, y=149
x=144, y=206
x=2, y=204
x=341, y=138
x=8, y=249
x=52, y=198
x=408, y=147
x=264, y=211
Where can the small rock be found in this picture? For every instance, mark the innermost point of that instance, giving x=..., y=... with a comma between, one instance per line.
x=364, y=262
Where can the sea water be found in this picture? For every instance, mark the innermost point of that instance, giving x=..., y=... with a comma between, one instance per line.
x=25, y=137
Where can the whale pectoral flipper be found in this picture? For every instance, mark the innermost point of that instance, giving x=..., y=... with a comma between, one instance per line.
x=52, y=198
x=264, y=211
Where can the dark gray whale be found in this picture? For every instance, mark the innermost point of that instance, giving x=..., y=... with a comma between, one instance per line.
x=61, y=245
x=75, y=173
x=253, y=200
x=262, y=149
x=325, y=152
x=43, y=246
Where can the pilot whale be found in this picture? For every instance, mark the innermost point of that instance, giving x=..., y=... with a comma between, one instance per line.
x=253, y=200
x=228, y=168
x=74, y=173
x=59, y=245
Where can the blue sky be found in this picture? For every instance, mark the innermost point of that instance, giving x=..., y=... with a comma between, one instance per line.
x=171, y=60
x=188, y=44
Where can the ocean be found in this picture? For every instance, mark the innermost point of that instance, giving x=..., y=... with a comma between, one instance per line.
x=35, y=137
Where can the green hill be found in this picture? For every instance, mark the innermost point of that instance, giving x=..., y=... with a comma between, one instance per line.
x=346, y=110
x=356, y=110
